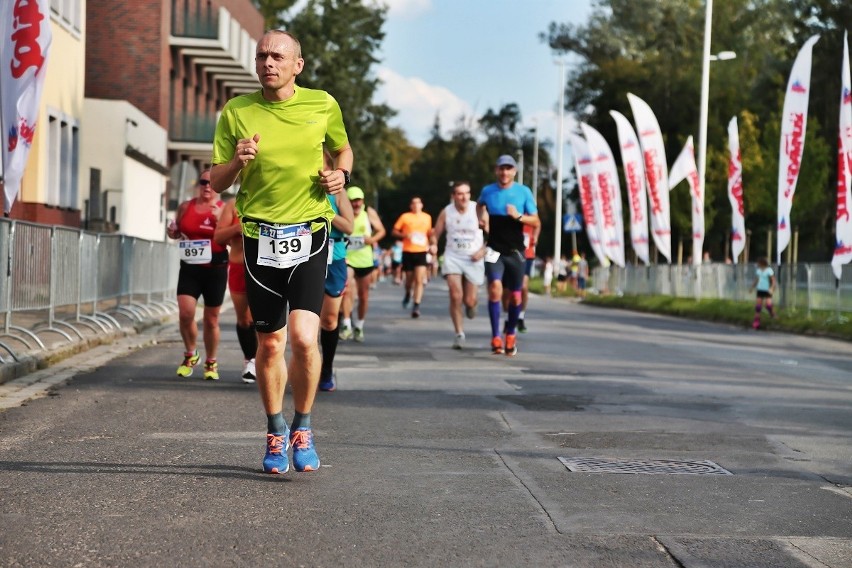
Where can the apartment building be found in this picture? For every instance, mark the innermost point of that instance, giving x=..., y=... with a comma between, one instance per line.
x=177, y=62
x=131, y=97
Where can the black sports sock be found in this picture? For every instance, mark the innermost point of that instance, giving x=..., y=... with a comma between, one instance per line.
x=329, y=340
x=248, y=340
x=275, y=423
x=301, y=420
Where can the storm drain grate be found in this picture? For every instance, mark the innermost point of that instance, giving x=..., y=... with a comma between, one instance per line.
x=669, y=467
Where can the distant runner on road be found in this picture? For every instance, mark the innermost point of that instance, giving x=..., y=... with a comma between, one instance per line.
x=463, y=266
x=367, y=230
x=229, y=232
x=203, y=273
x=415, y=230
x=509, y=206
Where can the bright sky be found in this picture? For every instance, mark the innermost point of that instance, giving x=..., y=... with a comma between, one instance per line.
x=462, y=57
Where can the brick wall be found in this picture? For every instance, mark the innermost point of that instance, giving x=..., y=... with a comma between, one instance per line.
x=124, y=56
x=128, y=55
x=45, y=214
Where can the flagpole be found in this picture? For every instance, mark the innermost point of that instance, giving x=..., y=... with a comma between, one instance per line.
x=705, y=94
x=560, y=143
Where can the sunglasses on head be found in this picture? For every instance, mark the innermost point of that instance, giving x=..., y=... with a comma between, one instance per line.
x=204, y=182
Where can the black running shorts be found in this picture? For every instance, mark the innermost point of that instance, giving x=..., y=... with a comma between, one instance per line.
x=274, y=292
x=509, y=269
x=207, y=281
x=412, y=259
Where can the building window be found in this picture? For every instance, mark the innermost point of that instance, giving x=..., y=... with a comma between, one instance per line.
x=67, y=12
x=63, y=156
x=53, y=150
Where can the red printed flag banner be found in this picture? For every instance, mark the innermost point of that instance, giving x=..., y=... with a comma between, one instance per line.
x=735, y=191
x=25, y=25
x=684, y=168
x=609, y=192
x=588, y=189
x=794, y=122
x=656, y=173
x=843, y=227
x=634, y=176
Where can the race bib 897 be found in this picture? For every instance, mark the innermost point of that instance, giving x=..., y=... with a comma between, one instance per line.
x=196, y=252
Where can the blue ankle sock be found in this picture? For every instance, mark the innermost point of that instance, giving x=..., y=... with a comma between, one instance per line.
x=301, y=420
x=275, y=423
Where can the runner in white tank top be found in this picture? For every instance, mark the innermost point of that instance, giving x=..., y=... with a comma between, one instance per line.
x=463, y=266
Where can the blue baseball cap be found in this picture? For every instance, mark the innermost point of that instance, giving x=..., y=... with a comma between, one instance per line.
x=506, y=160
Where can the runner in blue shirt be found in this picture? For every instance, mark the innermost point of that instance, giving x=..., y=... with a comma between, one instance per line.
x=505, y=207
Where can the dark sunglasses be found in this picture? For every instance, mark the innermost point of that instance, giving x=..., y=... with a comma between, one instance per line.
x=204, y=182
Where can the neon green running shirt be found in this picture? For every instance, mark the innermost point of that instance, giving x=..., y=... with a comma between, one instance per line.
x=281, y=184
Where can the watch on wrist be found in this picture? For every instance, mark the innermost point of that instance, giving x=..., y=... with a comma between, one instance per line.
x=346, y=178
x=518, y=218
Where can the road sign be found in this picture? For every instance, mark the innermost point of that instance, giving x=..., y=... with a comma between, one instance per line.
x=572, y=223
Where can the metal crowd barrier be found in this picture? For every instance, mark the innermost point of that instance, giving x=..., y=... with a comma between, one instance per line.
x=67, y=281
x=798, y=286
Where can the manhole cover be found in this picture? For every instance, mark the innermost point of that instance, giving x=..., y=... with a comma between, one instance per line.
x=670, y=467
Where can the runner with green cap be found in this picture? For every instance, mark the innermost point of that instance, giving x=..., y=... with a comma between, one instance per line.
x=368, y=229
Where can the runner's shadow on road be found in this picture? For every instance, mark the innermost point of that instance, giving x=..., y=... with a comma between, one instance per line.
x=218, y=471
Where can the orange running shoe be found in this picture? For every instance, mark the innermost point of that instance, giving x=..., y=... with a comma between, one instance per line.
x=496, y=346
x=511, y=348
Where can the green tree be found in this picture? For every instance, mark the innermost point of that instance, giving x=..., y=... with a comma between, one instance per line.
x=653, y=48
x=340, y=42
x=274, y=11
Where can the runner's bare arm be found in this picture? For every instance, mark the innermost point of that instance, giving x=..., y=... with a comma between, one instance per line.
x=173, y=230
x=379, y=231
x=344, y=220
x=223, y=176
x=226, y=229
x=438, y=229
x=333, y=181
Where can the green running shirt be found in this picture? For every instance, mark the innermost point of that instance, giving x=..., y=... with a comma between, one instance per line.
x=281, y=184
x=360, y=255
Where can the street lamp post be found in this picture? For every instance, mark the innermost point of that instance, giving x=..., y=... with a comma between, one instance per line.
x=705, y=90
x=535, y=163
x=521, y=166
x=557, y=244
x=705, y=94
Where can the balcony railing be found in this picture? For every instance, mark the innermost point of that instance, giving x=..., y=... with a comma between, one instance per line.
x=192, y=127
x=195, y=19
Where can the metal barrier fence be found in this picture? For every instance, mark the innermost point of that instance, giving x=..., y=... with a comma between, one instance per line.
x=67, y=281
x=798, y=286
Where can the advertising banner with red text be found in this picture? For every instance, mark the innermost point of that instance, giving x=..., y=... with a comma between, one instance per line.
x=609, y=193
x=588, y=189
x=735, y=191
x=843, y=225
x=794, y=122
x=634, y=177
x=684, y=168
x=656, y=173
x=25, y=25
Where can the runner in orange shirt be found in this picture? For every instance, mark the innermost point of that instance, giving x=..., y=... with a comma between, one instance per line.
x=415, y=230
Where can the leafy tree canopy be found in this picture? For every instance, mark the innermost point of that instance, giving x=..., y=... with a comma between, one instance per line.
x=654, y=49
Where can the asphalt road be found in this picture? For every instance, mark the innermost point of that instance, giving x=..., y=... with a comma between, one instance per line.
x=436, y=457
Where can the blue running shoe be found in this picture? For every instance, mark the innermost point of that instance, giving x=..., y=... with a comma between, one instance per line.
x=275, y=460
x=327, y=383
x=305, y=456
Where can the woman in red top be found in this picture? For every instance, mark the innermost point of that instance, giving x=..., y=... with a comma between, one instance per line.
x=203, y=272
